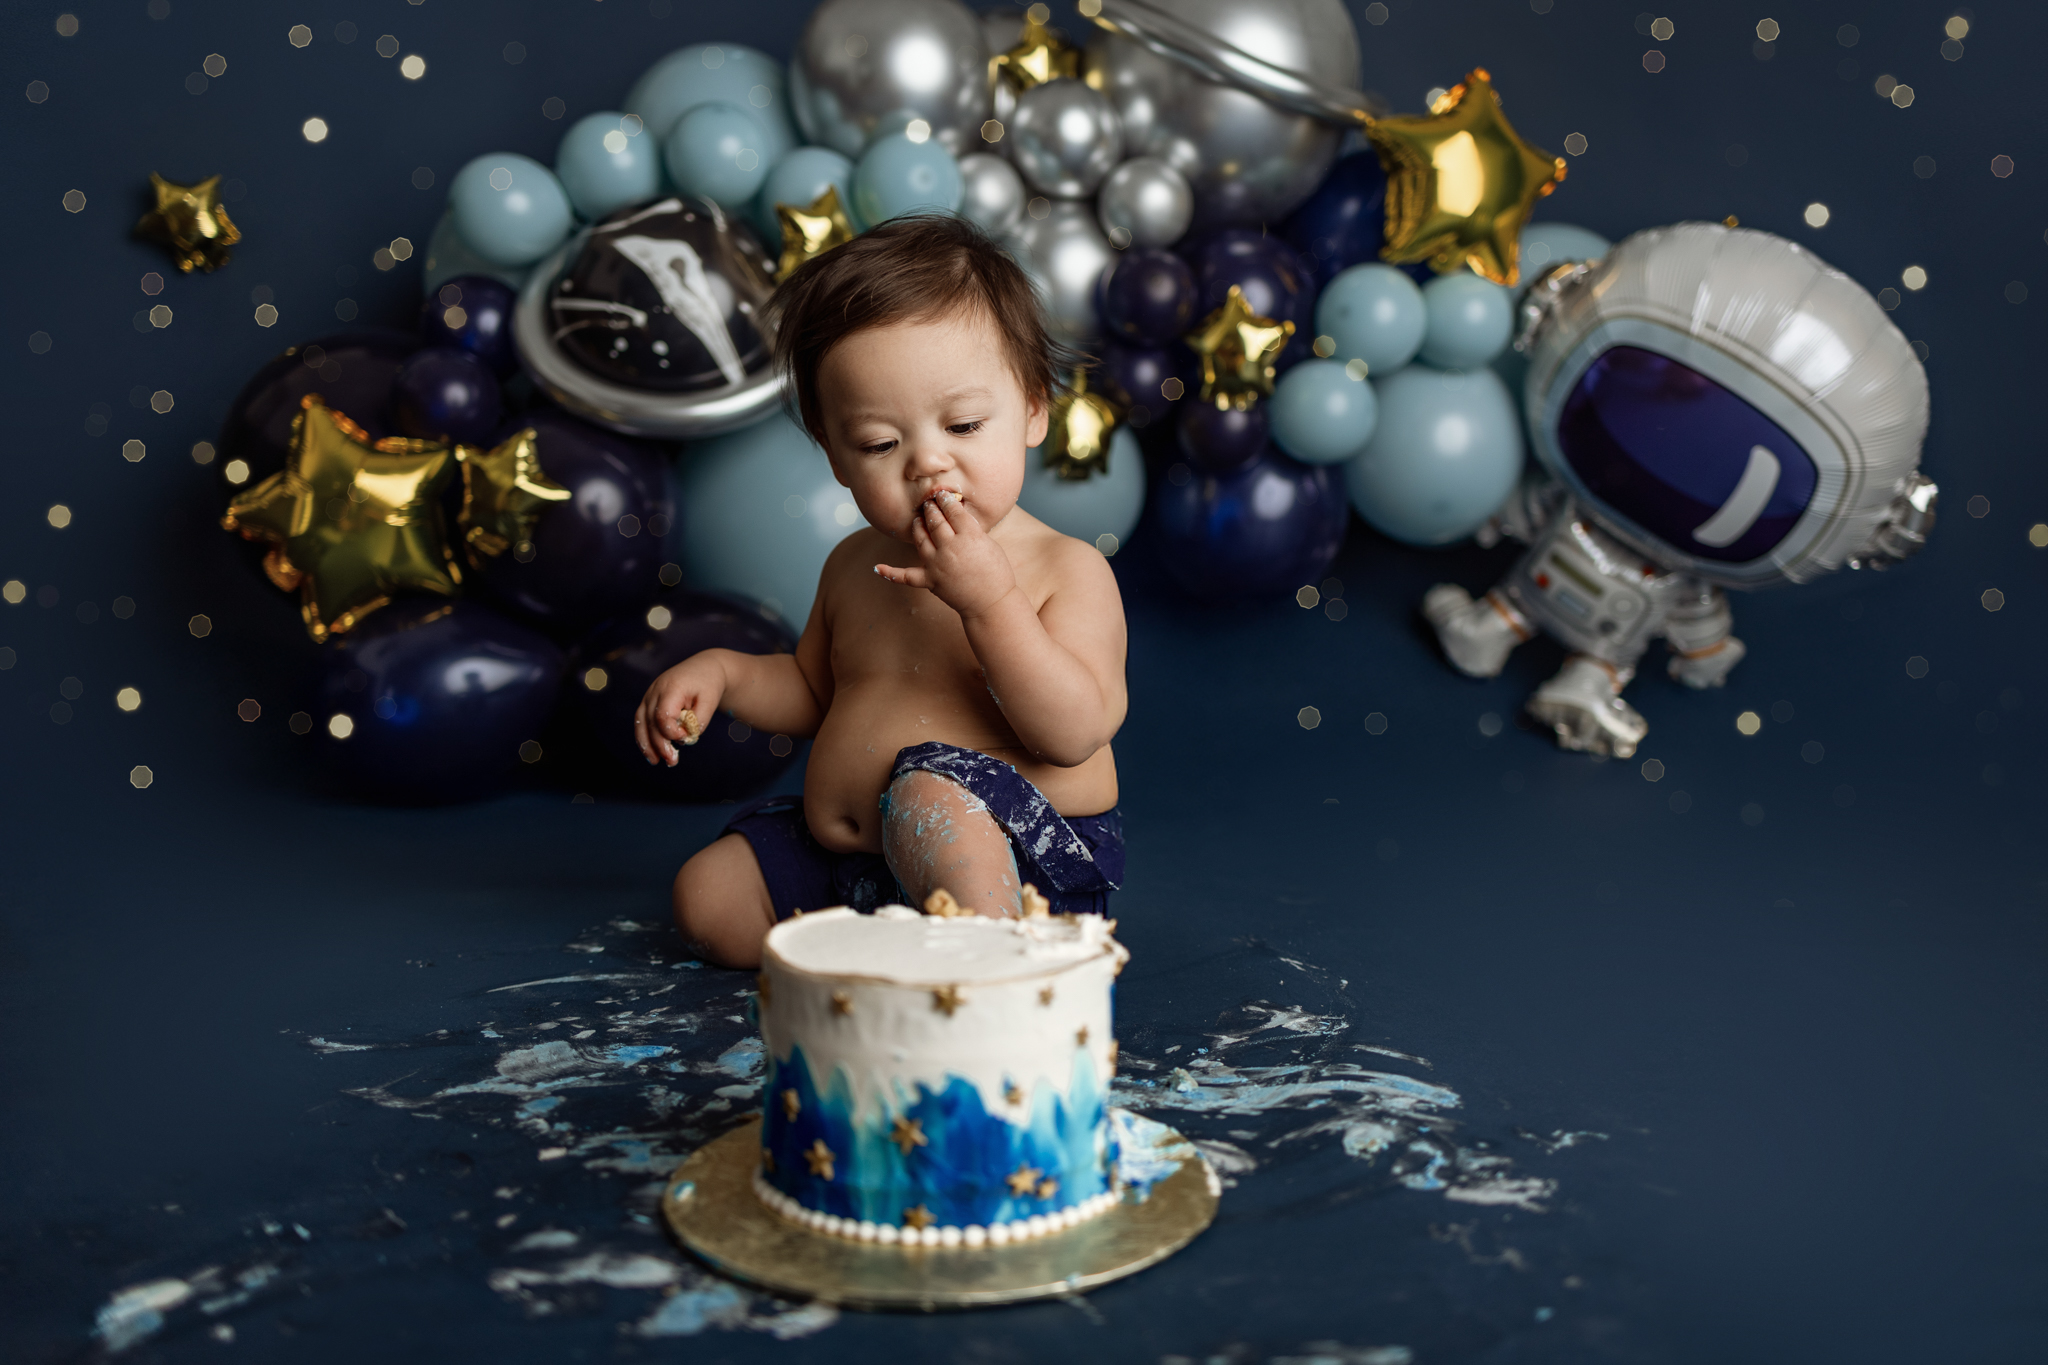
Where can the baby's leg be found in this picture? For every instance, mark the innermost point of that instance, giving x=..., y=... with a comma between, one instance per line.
x=722, y=904
x=936, y=834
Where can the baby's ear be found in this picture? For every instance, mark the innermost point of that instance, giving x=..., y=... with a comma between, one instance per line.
x=1037, y=421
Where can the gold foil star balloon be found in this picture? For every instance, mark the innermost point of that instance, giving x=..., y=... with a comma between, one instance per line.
x=1077, y=434
x=504, y=491
x=190, y=221
x=813, y=231
x=1040, y=55
x=1460, y=183
x=1237, y=348
x=350, y=522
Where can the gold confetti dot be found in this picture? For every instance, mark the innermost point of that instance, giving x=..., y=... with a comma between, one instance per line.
x=1575, y=144
x=299, y=35
x=74, y=201
x=1916, y=667
x=1662, y=29
x=133, y=451
x=659, y=617
x=529, y=751
x=67, y=26
x=301, y=723
x=1957, y=27
x=1306, y=597
x=2001, y=166
x=2037, y=536
x=266, y=316
x=161, y=401
x=249, y=709
x=1375, y=723
x=215, y=65
x=341, y=725
x=1653, y=61
x=387, y=46
x=671, y=574
x=781, y=746
x=59, y=516
x=1817, y=215
x=128, y=699
x=1902, y=95
x=1355, y=369
x=1108, y=544
x=1749, y=722
x=413, y=67
x=917, y=130
x=14, y=590
x=314, y=130
x=1766, y=30
x=201, y=626
x=1325, y=347
x=1376, y=14
x=1914, y=277
x=140, y=776
x=1653, y=770
x=236, y=471
x=1992, y=599
x=595, y=679
x=1308, y=717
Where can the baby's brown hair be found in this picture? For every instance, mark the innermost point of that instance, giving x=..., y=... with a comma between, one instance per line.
x=911, y=268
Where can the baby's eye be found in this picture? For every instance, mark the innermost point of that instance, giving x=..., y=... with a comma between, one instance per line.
x=878, y=448
x=967, y=428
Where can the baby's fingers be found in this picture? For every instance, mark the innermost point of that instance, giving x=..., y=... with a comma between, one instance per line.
x=909, y=578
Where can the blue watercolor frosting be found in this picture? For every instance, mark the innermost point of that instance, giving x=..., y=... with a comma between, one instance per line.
x=961, y=1173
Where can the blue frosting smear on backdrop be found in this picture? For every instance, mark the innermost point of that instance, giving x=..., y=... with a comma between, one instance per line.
x=1663, y=445
x=960, y=1174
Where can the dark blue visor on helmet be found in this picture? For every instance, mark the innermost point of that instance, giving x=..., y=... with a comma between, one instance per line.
x=1685, y=459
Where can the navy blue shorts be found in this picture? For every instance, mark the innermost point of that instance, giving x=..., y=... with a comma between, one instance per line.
x=1074, y=861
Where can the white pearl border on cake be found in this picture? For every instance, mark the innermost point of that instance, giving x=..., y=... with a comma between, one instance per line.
x=887, y=1234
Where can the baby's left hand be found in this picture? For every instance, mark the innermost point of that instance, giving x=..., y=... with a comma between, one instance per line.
x=958, y=561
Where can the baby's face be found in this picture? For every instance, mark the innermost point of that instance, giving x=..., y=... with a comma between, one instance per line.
x=918, y=408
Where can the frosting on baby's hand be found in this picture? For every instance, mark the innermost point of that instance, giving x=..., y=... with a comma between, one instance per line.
x=693, y=729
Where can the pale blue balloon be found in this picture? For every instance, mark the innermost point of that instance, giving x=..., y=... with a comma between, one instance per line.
x=509, y=208
x=896, y=176
x=714, y=152
x=761, y=511
x=1470, y=321
x=1321, y=414
x=448, y=257
x=1550, y=244
x=1102, y=509
x=726, y=72
x=799, y=179
x=606, y=162
x=1446, y=454
x=1373, y=313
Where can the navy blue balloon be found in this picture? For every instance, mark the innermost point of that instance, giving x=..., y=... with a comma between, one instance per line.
x=1266, y=268
x=1268, y=528
x=1344, y=222
x=354, y=373
x=473, y=313
x=1149, y=298
x=447, y=393
x=730, y=761
x=438, y=697
x=1221, y=440
x=599, y=552
x=1137, y=377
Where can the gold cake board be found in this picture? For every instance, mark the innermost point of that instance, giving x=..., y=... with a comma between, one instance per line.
x=711, y=1205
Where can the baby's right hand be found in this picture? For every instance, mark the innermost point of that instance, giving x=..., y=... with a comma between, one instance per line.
x=676, y=707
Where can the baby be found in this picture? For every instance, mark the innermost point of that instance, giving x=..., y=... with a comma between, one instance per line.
x=963, y=665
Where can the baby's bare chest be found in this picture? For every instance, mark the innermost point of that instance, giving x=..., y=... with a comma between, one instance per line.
x=884, y=630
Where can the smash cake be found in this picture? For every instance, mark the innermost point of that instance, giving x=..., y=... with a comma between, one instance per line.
x=935, y=1080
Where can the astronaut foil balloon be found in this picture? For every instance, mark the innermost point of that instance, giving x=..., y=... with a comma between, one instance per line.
x=1713, y=408
x=665, y=296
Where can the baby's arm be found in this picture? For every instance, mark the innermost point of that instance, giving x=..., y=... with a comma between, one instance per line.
x=781, y=693
x=1058, y=672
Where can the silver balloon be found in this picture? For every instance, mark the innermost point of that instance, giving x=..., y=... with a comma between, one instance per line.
x=1064, y=138
x=1145, y=202
x=1065, y=254
x=867, y=67
x=1247, y=160
x=991, y=195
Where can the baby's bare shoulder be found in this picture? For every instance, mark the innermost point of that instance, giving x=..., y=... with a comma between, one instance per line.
x=1061, y=564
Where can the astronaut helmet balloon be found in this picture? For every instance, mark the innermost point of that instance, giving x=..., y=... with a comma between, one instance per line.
x=1729, y=405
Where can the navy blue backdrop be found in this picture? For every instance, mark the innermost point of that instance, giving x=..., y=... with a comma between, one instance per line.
x=1509, y=1055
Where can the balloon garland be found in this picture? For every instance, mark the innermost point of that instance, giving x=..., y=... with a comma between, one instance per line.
x=1311, y=329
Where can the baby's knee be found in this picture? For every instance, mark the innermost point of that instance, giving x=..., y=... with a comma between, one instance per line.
x=722, y=904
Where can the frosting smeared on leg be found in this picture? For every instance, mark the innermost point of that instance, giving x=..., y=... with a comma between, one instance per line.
x=937, y=835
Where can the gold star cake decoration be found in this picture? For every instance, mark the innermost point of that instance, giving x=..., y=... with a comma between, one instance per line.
x=1237, y=348
x=810, y=231
x=1040, y=55
x=947, y=999
x=1023, y=1180
x=919, y=1217
x=504, y=491
x=1076, y=446
x=791, y=1105
x=350, y=521
x=819, y=1158
x=190, y=221
x=1460, y=183
x=909, y=1133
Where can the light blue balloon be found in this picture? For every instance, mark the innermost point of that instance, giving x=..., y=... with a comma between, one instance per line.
x=1091, y=508
x=726, y=72
x=1374, y=313
x=448, y=256
x=897, y=176
x=1470, y=321
x=1320, y=414
x=1549, y=244
x=599, y=176
x=1446, y=453
x=761, y=511
x=714, y=152
x=509, y=208
x=799, y=179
